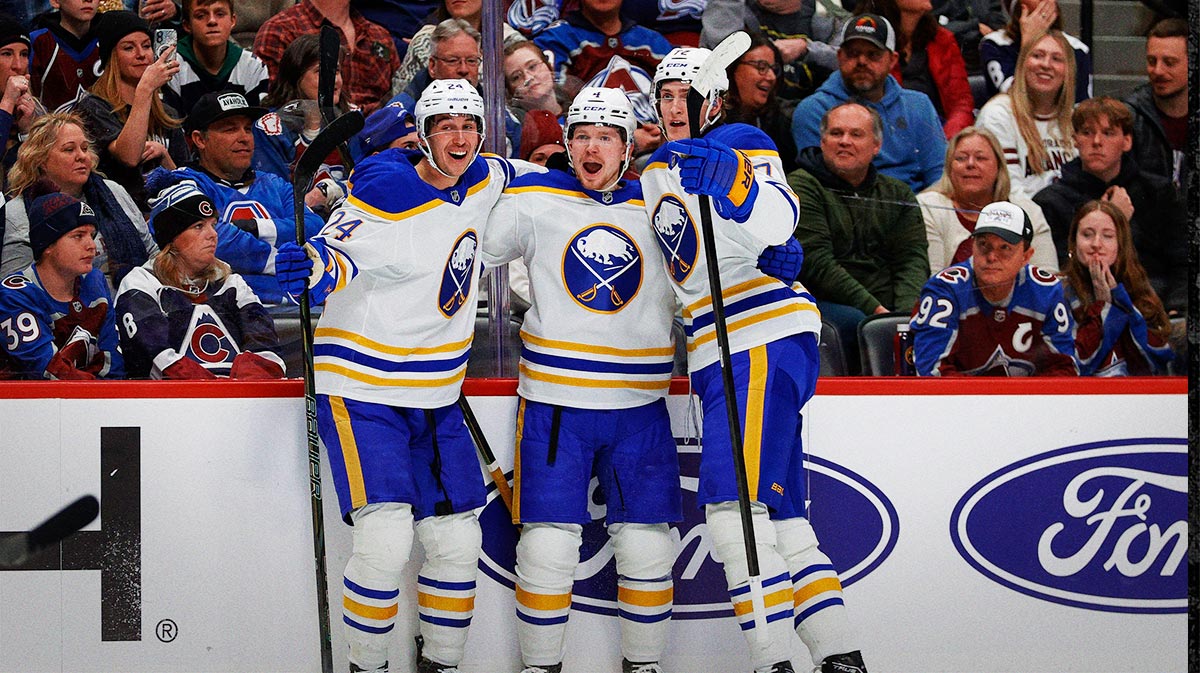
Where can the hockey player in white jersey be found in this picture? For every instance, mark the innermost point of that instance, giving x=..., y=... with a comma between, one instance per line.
x=595, y=367
x=773, y=332
x=398, y=263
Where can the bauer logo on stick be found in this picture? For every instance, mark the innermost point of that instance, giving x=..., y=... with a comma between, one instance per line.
x=602, y=268
x=676, y=233
x=457, y=276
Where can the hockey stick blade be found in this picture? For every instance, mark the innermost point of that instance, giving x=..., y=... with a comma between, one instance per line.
x=723, y=55
x=339, y=131
x=17, y=548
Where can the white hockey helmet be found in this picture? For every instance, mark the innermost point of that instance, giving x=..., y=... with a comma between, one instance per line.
x=447, y=96
x=606, y=106
x=682, y=64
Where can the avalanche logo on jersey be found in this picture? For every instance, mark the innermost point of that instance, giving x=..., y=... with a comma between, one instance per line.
x=621, y=74
x=207, y=341
x=858, y=534
x=1098, y=526
x=676, y=233
x=456, y=278
x=602, y=268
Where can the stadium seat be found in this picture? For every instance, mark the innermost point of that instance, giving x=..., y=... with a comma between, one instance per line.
x=877, y=343
x=833, y=358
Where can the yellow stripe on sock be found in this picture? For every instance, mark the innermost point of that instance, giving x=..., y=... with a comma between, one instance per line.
x=545, y=602
x=369, y=611
x=817, y=587
x=445, y=603
x=770, y=600
x=645, y=599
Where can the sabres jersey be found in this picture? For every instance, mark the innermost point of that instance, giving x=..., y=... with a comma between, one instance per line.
x=403, y=259
x=1113, y=339
x=758, y=309
x=956, y=331
x=34, y=325
x=598, y=332
x=162, y=324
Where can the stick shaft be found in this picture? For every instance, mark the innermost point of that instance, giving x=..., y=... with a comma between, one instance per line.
x=485, y=450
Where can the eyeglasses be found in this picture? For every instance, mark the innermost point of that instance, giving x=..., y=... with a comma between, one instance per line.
x=763, y=67
x=455, y=61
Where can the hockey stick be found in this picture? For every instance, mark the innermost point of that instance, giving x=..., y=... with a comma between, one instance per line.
x=330, y=54
x=724, y=54
x=485, y=451
x=16, y=548
x=336, y=132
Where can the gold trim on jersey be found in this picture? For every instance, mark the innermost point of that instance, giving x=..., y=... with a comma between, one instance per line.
x=536, y=375
x=596, y=350
x=345, y=335
x=371, y=379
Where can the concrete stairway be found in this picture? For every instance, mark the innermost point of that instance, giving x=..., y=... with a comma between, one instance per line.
x=1118, y=48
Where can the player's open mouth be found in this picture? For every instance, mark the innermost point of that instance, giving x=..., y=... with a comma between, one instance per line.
x=458, y=156
x=592, y=167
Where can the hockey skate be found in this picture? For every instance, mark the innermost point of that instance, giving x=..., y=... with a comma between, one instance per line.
x=553, y=668
x=381, y=669
x=780, y=667
x=426, y=665
x=628, y=666
x=850, y=662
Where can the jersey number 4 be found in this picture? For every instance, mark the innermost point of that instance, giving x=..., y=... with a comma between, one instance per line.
x=344, y=227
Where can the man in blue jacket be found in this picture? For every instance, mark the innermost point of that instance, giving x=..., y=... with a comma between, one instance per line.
x=913, y=144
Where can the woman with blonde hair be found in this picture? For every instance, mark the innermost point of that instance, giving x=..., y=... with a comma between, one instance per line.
x=1033, y=120
x=135, y=132
x=1121, y=328
x=974, y=176
x=165, y=305
x=59, y=150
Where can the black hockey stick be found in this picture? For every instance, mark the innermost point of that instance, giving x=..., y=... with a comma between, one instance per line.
x=336, y=132
x=330, y=55
x=725, y=53
x=485, y=451
x=16, y=548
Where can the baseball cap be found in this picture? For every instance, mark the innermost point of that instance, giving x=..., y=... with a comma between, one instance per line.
x=386, y=124
x=872, y=28
x=1006, y=220
x=52, y=216
x=219, y=105
x=178, y=207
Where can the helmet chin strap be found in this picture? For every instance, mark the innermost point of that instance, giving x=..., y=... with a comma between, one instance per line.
x=423, y=145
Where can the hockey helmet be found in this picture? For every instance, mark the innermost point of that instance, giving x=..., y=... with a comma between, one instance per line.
x=447, y=96
x=606, y=106
x=682, y=64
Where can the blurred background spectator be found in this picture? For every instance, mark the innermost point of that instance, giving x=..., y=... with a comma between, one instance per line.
x=1028, y=21
x=752, y=97
x=65, y=52
x=18, y=107
x=210, y=60
x=420, y=47
x=584, y=41
x=529, y=81
x=1160, y=106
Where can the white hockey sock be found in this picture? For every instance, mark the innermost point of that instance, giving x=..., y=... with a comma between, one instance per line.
x=821, y=619
x=446, y=584
x=725, y=529
x=645, y=593
x=382, y=537
x=547, y=555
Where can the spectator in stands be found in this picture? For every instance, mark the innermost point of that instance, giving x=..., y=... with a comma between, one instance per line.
x=210, y=60
x=17, y=105
x=541, y=137
x=371, y=58
x=390, y=127
x=864, y=241
x=420, y=47
x=584, y=41
x=254, y=212
x=65, y=53
x=59, y=149
x=969, y=21
x=1105, y=169
x=529, y=81
x=1033, y=120
x=995, y=315
x=806, y=41
x=913, y=143
x=161, y=304
x=929, y=60
x=679, y=21
x=974, y=177
x=123, y=113
x=1028, y=21
x=752, y=97
x=57, y=311
x=401, y=18
x=1160, y=107
x=1120, y=326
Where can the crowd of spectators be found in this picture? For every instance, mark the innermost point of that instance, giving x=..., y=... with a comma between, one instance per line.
x=894, y=152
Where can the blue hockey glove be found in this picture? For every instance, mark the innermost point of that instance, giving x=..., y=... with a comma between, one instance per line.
x=713, y=168
x=293, y=268
x=782, y=261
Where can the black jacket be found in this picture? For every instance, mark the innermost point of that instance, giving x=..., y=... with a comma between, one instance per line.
x=1159, y=225
x=1150, y=147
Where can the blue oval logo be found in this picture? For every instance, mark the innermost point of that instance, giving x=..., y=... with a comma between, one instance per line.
x=1100, y=526
x=857, y=528
x=458, y=274
x=676, y=233
x=602, y=268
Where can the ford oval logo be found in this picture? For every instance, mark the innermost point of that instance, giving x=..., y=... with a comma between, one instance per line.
x=854, y=521
x=1101, y=526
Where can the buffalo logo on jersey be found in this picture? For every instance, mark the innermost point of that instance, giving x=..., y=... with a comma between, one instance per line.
x=1099, y=526
x=208, y=342
x=676, y=233
x=457, y=276
x=602, y=268
x=857, y=534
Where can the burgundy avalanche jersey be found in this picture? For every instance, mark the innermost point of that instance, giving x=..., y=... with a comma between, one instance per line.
x=58, y=70
x=956, y=332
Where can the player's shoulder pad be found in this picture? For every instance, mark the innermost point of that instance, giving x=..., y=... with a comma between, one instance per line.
x=744, y=137
x=497, y=165
x=661, y=158
x=379, y=181
x=549, y=180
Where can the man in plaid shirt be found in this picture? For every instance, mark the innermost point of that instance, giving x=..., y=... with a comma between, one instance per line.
x=366, y=71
